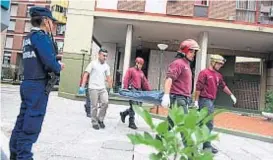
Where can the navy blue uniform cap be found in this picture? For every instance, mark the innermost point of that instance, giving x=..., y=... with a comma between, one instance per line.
x=41, y=11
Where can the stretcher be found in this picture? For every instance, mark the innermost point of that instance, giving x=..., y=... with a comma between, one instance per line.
x=152, y=97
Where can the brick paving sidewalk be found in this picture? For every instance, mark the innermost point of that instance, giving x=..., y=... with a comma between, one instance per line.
x=250, y=124
x=228, y=120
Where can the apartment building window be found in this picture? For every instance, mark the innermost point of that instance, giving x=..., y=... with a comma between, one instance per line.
x=246, y=10
x=27, y=26
x=9, y=42
x=58, y=8
x=11, y=25
x=201, y=2
x=201, y=8
x=60, y=29
x=13, y=10
x=266, y=12
x=6, y=58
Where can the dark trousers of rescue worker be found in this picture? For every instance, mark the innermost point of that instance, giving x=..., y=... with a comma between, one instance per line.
x=205, y=102
x=87, y=104
x=130, y=111
x=30, y=119
x=183, y=103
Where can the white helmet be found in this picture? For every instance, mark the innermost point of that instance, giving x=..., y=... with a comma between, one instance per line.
x=217, y=59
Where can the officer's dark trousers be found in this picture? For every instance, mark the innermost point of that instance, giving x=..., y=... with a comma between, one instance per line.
x=182, y=102
x=30, y=119
x=205, y=102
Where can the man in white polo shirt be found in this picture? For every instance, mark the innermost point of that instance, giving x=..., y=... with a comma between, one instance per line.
x=98, y=71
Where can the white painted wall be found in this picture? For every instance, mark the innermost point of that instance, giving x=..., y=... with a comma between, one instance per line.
x=107, y=4
x=82, y=5
x=95, y=51
x=79, y=27
x=156, y=6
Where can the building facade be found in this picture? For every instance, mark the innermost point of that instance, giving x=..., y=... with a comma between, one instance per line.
x=134, y=28
x=19, y=27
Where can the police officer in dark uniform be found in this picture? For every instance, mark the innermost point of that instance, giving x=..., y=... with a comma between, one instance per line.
x=39, y=58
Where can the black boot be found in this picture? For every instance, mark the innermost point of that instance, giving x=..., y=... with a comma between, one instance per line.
x=132, y=123
x=211, y=148
x=123, y=116
x=13, y=156
x=101, y=124
x=96, y=126
x=214, y=150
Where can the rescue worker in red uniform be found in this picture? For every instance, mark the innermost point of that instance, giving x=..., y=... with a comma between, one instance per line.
x=134, y=80
x=209, y=80
x=178, y=83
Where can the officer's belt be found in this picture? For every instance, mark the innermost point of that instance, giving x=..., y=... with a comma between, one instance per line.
x=36, y=79
x=174, y=96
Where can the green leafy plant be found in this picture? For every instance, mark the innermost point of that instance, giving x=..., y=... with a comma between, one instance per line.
x=269, y=102
x=170, y=144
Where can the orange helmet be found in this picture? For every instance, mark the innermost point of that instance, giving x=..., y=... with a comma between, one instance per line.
x=187, y=45
x=139, y=60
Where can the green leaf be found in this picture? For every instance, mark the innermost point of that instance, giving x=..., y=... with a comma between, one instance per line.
x=193, y=138
x=169, y=136
x=157, y=144
x=206, y=156
x=213, y=137
x=162, y=127
x=147, y=136
x=136, y=139
x=199, y=135
x=186, y=151
x=172, y=112
x=154, y=156
x=184, y=130
x=147, y=139
x=203, y=114
x=205, y=132
x=145, y=115
x=190, y=120
x=183, y=156
x=177, y=114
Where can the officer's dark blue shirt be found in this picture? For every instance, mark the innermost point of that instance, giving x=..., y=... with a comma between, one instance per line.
x=39, y=56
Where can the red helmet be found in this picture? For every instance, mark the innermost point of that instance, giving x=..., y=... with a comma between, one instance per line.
x=139, y=60
x=187, y=45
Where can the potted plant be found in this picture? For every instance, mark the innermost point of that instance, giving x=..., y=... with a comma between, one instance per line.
x=169, y=144
x=268, y=111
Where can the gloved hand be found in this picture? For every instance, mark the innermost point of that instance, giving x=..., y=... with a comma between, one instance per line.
x=81, y=90
x=196, y=105
x=233, y=99
x=166, y=100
